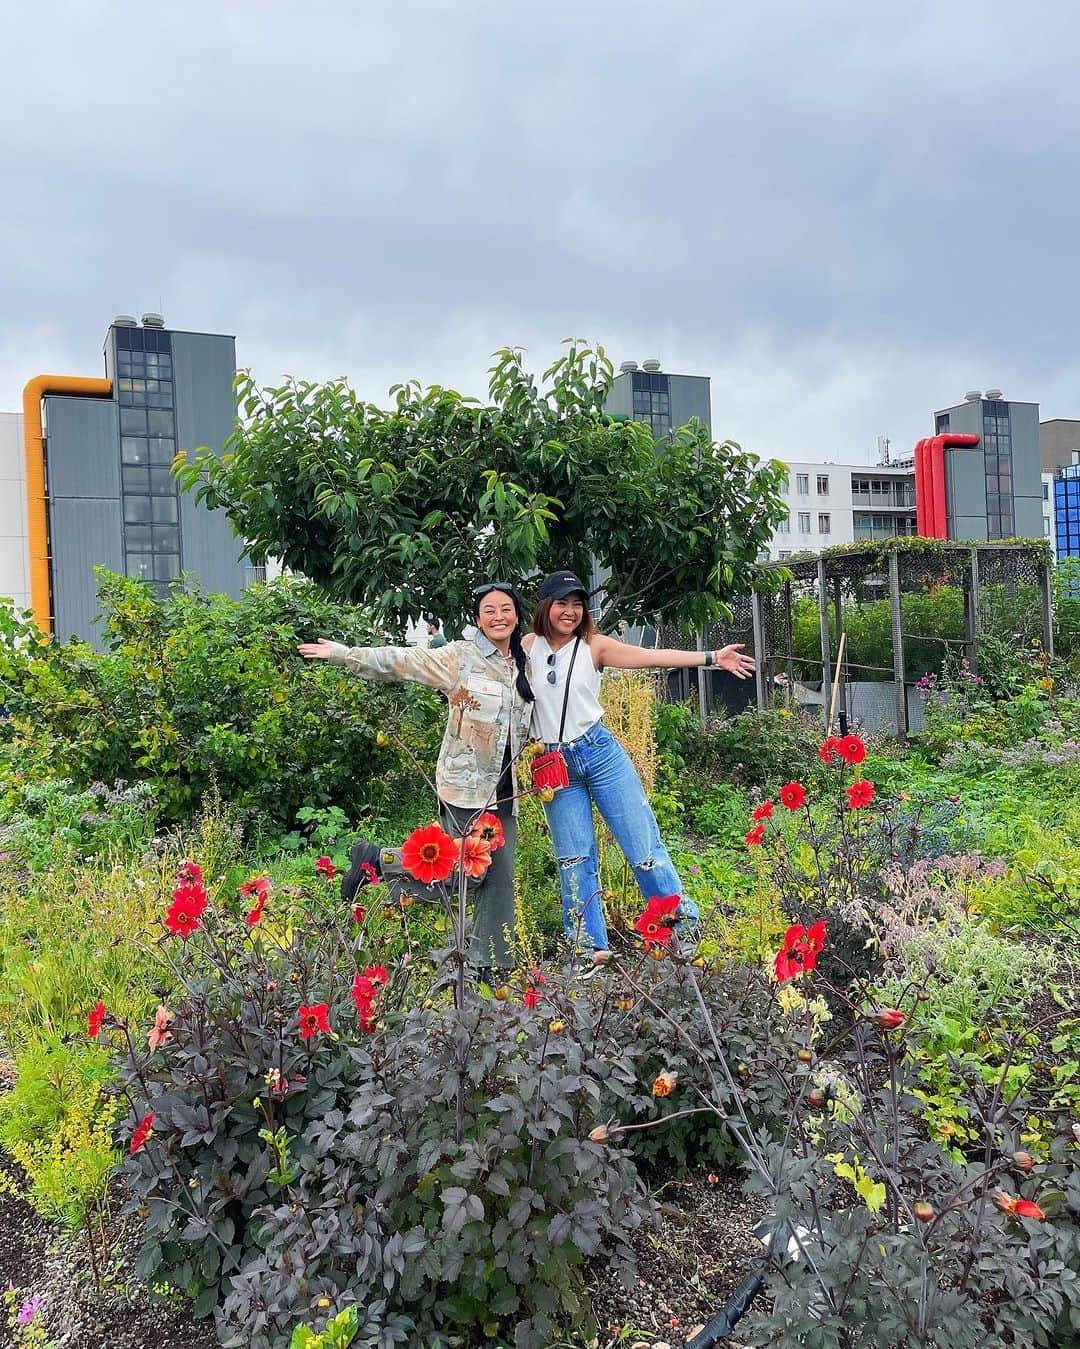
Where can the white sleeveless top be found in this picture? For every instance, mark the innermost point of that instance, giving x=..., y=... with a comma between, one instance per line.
x=583, y=706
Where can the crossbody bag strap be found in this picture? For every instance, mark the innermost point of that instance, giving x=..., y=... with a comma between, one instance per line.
x=566, y=691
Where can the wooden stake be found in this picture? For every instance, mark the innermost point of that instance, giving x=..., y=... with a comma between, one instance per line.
x=836, y=681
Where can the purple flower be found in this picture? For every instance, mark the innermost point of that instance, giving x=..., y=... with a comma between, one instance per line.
x=29, y=1310
x=694, y=870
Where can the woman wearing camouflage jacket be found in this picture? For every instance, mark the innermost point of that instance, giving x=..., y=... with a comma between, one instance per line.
x=489, y=703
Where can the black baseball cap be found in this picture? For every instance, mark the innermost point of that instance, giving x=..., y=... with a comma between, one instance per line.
x=560, y=584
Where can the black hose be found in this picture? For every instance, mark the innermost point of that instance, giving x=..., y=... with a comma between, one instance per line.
x=732, y=1312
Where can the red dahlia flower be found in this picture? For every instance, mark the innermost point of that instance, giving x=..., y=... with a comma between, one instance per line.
x=793, y=795
x=429, y=854
x=358, y=913
x=889, y=1018
x=477, y=855
x=651, y=923
x=189, y=873
x=1026, y=1208
x=184, y=912
x=160, y=1032
x=312, y=1019
x=764, y=811
x=851, y=749
x=378, y=974
x=142, y=1132
x=489, y=828
x=830, y=748
x=369, y=874
x=800, y=950
x=94, y=1020
x=325, y=868
x=756, y=835
x=531, y=996
x=256, y=912
x=258, y=887
x=860, y=794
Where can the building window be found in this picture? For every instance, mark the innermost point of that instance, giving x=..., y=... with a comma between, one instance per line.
x=941, y=423
x=150, y=497
x=997, y=468
x=1046, y=491
x=784, y=554
x=652, y=401
x=823, y=484
x=802, y=483
x=824, y=523
x=804, y=522
x=784, y=527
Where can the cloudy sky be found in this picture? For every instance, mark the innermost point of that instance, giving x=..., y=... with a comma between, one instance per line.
x=846, y=215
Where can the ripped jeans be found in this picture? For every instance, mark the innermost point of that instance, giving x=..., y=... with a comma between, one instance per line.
x=600, y=772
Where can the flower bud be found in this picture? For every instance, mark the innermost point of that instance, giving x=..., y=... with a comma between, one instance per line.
x=805, y=1056
x=698, y=962
x=556, y=1027
x=923, y=1211
x=625, y=1004
x=1023, y=1161
x=664, y=1084
x=600, y=1134
x=888, y=1018
x=382, y=739
x=1004, y=1201
x=815, y=1099
x=601, y=957
x=501, y=994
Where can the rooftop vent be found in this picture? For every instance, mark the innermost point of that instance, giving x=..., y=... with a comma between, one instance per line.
x=125, y=321
x=652, y=365
x=995, y=395
x=973, y=396
x=627, y=366
x=153, y=321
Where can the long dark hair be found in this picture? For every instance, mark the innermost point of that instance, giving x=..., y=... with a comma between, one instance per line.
x=543, y=626
x=516, y=649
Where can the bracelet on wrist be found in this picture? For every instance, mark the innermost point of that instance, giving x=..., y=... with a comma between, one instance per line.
x=708, y=659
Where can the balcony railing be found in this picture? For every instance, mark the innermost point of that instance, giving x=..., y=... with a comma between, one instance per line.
x=901, y=499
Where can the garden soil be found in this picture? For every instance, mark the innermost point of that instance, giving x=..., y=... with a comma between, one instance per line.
x=687, y=1268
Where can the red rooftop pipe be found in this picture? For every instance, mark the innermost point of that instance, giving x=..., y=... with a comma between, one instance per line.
x=930, y=506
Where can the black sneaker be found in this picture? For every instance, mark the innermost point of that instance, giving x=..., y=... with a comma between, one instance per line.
x=362, y=855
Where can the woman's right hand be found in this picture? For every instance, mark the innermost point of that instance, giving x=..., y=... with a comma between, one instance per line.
x=320, y=650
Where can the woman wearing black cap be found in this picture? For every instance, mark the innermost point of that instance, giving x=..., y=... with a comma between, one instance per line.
x=567, y=655
x=489, y=700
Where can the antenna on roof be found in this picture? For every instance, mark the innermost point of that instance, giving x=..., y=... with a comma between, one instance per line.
x=883, y=451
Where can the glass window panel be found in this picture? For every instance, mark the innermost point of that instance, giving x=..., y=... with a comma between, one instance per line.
x=123, y=363
x=138, y=538
x=160, y=423
x=135, y=479
x=136, y=509
x=166, y=539
x=162, y=449
x=133, y=450
x=164, y=361
x=152, y=358
x=132, y=422
x=140, y=564
x=166, y=566
x=124, y=385
x=161, y=481
x=164, y=510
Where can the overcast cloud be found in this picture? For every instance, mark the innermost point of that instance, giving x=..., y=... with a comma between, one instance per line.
x=845, y=216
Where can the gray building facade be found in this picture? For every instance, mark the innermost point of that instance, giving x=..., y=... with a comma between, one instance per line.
x=993, y=490
x=666, y=402
x=1059, y=441
x=111, y=498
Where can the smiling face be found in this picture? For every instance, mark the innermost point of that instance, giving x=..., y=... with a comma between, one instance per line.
x=566, y=614
x=496, y=617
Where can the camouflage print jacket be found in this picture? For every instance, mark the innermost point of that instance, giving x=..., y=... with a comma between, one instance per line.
x=485, y=707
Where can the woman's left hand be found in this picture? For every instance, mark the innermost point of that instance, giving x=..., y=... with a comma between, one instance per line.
x=734, y=659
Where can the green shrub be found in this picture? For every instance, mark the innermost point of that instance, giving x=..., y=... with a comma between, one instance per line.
x=199, y=689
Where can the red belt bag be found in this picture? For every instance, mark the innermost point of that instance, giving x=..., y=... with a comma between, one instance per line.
x=549, y=771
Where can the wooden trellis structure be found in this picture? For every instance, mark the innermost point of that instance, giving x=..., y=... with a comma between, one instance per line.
x=764, y=621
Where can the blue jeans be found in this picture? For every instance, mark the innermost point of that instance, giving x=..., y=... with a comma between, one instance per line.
x=600, y=772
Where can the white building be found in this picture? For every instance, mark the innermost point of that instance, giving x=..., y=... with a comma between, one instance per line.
x=840, y=503
x=14, y=544
x=1049, y=528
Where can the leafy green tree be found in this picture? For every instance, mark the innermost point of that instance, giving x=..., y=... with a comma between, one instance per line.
x=406, y=509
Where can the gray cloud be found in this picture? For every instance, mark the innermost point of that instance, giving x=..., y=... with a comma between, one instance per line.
x=845, y=218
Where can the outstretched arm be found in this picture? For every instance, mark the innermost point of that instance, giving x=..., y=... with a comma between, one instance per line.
x=437, y=667
x=621, y=656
